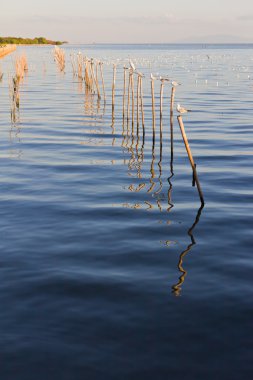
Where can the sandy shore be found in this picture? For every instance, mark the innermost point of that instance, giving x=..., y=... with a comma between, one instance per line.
x=7, y=49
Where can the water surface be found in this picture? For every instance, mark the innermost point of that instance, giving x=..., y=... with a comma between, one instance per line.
x=110, y=268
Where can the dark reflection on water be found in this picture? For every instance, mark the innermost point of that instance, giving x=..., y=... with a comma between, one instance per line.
x=101, y=227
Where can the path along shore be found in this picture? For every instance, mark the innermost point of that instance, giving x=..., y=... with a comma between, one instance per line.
x=6, y=49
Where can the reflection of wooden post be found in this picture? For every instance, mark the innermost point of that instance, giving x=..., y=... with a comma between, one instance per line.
x=153, y=104
x=113, y=87
x=193, y=178
x=142, y=108
x=181, y=124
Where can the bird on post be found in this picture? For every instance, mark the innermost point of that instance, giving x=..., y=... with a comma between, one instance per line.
x=132, y=66
x=182, y=110
x=175, y=83
x=162, y=79
x=152, y=77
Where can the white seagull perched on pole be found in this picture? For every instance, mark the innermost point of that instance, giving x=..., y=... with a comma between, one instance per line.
x=162, y=79
x=131, y=64
x=181, y=109
x=152, y=77
x=175, y=83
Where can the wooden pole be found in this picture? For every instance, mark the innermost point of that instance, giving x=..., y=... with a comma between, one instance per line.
x=187, y=146
x=142, y=107
x=92, y=74
x=124, y=92
x=173, y=90
x=102, y=77
x=132, y=87
x=97, y=84
x=128, y=96
x=161, y=108
x=153, y=105
x=171, y=122
x=161, y=100
x=137, y=103
x=113, y=87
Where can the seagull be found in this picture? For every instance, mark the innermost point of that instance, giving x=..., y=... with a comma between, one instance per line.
x=164, y=79
x=175, y=83
x=181, y=109
x=131, y=64
x=152, y=77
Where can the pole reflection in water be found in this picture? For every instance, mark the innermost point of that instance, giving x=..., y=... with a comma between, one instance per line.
x=176, y=289
x=133, y=143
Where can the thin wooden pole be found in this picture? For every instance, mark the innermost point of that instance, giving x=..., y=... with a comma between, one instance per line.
x=92, y=74
x=97, y=84
x=137, y=103
x=161, y=100
x=132, y=87
x=172, y=122
x=102, y=77
x=187, y=146
x=128, y=96
x=161, y=108
x=153, y=105
x=113, y=87
x=124, y=92
x=172, y=98
x=142, y=107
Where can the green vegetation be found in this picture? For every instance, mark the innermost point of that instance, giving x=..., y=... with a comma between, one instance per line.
x=29, y=41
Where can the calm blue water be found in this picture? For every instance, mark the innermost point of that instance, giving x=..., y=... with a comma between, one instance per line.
x=109, y=267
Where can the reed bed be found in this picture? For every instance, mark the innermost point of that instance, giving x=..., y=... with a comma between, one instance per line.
x=21, y=68
x=1, y=74
x=6, y=49
x=59, y=57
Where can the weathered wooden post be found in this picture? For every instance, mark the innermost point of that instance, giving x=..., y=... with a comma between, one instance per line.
x=181, y=124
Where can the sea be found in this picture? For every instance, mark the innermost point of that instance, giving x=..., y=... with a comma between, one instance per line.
x=111, y=267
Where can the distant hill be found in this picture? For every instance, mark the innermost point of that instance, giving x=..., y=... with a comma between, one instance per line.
x=29, y=41
x=216, y=39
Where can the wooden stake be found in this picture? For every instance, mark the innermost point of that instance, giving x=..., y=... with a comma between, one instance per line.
x=137, y=103
x=128, y=96
x=181, y=124
x=161, y=108
x=142, y=108
x=173, y=90
x=153, y=105
x=97, y=84
x=124, y=92
x=113, y=87
x=102, y=77
x=132, y=87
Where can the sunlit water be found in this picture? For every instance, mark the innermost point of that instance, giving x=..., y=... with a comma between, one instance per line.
x=110, y=269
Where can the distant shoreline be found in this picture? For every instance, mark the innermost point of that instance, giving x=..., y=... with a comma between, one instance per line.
x=29, y=41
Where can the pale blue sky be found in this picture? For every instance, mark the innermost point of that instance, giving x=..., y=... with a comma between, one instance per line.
x=82, y=21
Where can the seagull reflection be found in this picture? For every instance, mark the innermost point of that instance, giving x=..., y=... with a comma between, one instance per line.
x=176, y=289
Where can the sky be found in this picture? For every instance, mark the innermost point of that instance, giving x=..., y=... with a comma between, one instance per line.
x=129, y=21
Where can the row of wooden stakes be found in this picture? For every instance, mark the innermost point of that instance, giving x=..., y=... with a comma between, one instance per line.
x=89, y=69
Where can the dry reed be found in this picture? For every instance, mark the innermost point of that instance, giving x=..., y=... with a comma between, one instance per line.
x=59, y=56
